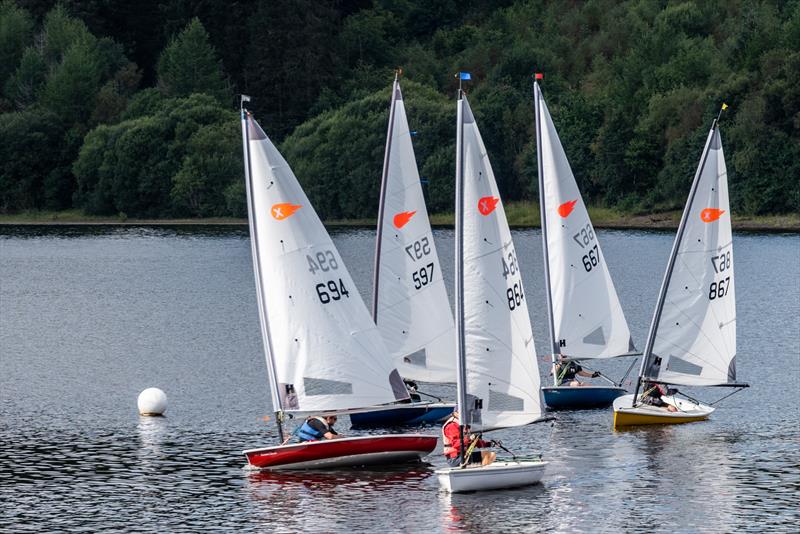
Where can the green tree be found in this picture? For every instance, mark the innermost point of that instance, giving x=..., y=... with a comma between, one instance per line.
x=16, y=31
x=189, y=65
x=212, y=163
x=30, y=156
x=338, y=156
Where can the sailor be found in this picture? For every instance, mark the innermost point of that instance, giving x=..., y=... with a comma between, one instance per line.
x=452, y=444
x=567, y=370
x=317, y=428
x=652, y=395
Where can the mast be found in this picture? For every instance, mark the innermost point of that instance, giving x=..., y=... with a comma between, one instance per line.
x=651, y=336
x=543, y=215
x=382, y=203
x=266, y=338
x=461, y=371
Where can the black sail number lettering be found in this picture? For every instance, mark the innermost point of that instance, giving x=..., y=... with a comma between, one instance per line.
x=591, y=259
x=332, y=290
x=423, y=277
x=419, y=249
x=324, y=261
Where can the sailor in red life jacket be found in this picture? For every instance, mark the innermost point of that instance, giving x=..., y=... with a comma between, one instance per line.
x=452, y=444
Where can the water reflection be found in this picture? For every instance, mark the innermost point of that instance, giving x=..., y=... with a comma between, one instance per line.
x=319, y=499
x=89, y=317
x=152, y=431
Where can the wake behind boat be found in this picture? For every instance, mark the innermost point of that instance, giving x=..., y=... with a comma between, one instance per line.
x=497, y=374
x=692, y=338
x=584, y=314
x=323, y=352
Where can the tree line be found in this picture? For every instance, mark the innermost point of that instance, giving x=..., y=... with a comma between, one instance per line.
x=131, y=108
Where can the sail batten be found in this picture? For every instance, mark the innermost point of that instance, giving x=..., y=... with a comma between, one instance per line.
x=410, y=301
x=324, y=353
x=502, y=377
x=586, y=317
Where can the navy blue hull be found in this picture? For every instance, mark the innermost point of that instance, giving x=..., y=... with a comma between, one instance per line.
x=578, y=398
x=404, y=415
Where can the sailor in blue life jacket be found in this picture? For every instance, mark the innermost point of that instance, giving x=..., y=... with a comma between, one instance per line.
x=567, y=372
x=317, y=428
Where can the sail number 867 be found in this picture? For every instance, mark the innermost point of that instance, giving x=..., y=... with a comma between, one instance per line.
x=717, y=290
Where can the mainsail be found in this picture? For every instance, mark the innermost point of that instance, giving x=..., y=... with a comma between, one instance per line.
x=694, y=329
x=323, y=350
x=410, y=304
x=497, y=347
x=586, y=316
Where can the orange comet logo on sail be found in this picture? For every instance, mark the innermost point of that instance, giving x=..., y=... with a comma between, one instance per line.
x=486, y=205
x=402, y=218
x=566, y=208
x=283, y=210
x=711, y=214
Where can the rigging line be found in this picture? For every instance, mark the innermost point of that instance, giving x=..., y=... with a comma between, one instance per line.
x=628, y=371
x=726, y=396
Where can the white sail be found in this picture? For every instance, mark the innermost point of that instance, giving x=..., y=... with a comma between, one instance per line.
x=412, y=309
x=587, y=317
x=695, y=335
x=502, y=383
x=323, y=350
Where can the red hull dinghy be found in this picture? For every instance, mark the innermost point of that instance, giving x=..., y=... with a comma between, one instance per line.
x=324, y=353
x=343, y=452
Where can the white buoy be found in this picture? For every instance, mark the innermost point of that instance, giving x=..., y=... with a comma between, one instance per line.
x=152, y=401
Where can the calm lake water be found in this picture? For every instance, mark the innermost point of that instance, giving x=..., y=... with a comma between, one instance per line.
x=91, y=316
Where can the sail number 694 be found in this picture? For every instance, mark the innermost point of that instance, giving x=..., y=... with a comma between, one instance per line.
x=331, y=290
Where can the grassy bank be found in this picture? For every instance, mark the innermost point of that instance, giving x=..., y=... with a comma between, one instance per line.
x=520, y=215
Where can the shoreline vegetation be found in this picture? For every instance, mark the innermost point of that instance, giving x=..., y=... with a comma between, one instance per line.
x=520, y=215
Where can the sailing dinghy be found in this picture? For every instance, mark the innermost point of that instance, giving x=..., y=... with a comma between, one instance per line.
x=410, y=304
x=497, y=374
x=692, y=338
x=324, y=354
x=584, y=314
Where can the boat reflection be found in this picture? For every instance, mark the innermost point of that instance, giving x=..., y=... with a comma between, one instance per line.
x=323, y=499
x=479, y=511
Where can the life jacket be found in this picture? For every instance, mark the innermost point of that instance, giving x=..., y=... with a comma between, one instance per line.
x=308, y=433
x=448, y=448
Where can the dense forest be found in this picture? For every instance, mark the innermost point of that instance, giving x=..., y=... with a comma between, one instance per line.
x=131, y=108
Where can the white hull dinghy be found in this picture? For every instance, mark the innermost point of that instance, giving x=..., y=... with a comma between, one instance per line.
x=497, y=374
x=324, y=353
x=499, y=475
x=692, y=338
